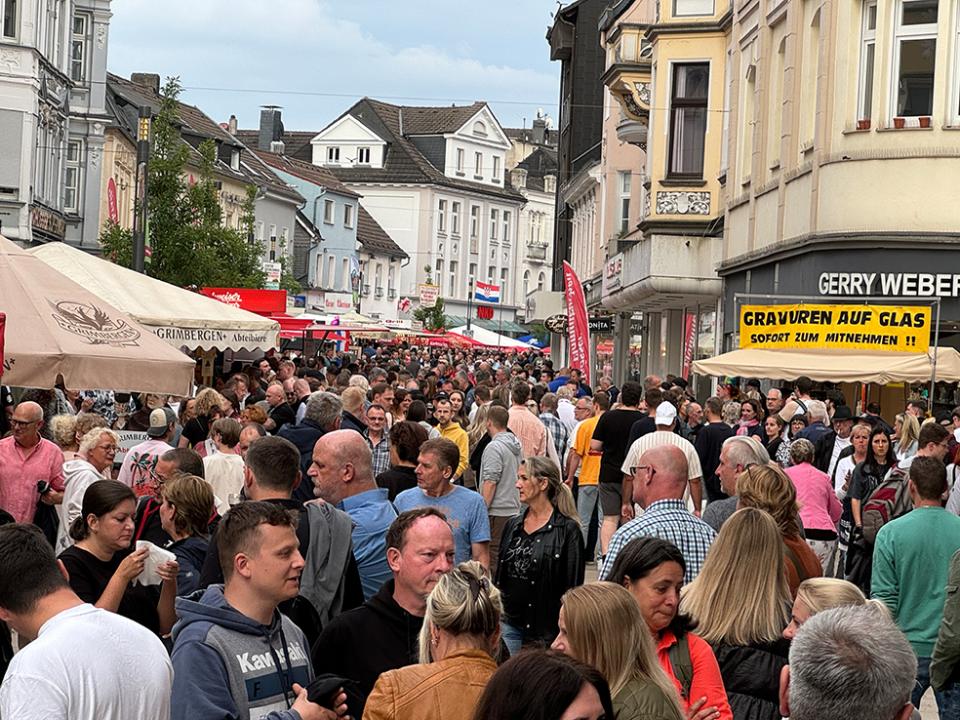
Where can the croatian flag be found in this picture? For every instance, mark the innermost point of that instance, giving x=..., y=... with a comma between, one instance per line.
x=485, y=292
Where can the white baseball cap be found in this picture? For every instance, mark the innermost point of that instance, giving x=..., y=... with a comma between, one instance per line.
x=666, y=413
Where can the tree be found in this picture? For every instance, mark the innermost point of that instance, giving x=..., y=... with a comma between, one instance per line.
x=189, y=244
x=433, y=318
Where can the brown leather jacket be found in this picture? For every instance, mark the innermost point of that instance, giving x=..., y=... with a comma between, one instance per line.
x=445, y=690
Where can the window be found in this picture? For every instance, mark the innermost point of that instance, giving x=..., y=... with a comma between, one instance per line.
x=478, y=165
x=348, y=215
x=479, y=129
x=328, y=208
x=455, y=218
x=915, y=49
x=689, y=8
x=72, y=175
x=808, y=79
x=747, y=121
x=460, y=160
x=504, y=283
x=775, y=124
x=9, y=27
x=540, y=281
x=494, y=221
x=491, y=274
x=526, y=283
x=439, y=274
x=506, y=226
x=442, y=216
x=333, y=154
x=474, y=221
x=453, y=277
x=868, y=46
x=625, y=181
x=363, y=156
x=391, y=281
x=345, y=280
x=78, y=49
x=331, y=272
x=473, y=271
x=496, y=168
x=688, y=119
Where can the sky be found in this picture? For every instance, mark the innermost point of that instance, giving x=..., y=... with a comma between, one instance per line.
x=315, y=58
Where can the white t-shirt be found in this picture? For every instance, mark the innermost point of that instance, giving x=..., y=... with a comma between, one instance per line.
x=88, y=664
x=839, y=445
x=843, y=473
x=224, y=472
x=659, y=438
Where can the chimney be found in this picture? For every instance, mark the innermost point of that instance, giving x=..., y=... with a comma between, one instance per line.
x=149, y=81
x=271, y=127
x=232, y=125
x=539, y=132
x=518, y=178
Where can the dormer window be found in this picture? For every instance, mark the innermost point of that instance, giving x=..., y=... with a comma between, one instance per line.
x=479, y=129
x=333, y=154
x=363, y=156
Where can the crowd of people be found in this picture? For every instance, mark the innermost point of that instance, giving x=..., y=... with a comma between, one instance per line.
x=413, y=533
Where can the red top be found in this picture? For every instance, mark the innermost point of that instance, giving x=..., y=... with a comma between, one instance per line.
x=707, y=681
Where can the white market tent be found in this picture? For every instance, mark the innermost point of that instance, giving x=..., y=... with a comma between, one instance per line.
x=834, y=366
x=182, y=318
x=490, y=338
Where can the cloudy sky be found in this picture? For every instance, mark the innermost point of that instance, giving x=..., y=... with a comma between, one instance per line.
x=316, y=57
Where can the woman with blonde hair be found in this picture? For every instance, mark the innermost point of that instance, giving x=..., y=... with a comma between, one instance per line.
x=741, y=602
x=600, y=624
x=478, y=439
x=208, y=407
x=63, y=429
x=907, y=434
x=818, y=594
x=460, y=634
x=768, y=488
x=185, y=510
x=541, y=555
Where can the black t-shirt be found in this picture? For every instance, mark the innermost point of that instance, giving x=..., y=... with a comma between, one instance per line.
x=281, y=415
x=196, y=430
x=613, y=430
x=640, y=428
x=516, y=572
x=89, y=577
x=397, y=479
x=709, y=441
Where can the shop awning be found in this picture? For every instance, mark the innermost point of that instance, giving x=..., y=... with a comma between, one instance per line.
x=179, y=317
x=491, y=339
x=833, y=366
x=291, y=327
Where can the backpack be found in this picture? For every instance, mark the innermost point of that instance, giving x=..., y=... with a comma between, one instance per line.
x=679, y=655
x=890, y=500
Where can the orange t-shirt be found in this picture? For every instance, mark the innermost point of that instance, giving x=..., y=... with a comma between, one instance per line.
x=707, y=681
x=589, y=459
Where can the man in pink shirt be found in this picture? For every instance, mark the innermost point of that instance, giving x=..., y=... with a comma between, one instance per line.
x=528, y=428
x=27, y=459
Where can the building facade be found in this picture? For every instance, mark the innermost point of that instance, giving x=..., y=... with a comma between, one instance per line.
x=433, y=178
x=842, y=154
x=53, y=57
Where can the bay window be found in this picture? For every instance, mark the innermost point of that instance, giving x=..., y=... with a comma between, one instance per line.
x=688, y=119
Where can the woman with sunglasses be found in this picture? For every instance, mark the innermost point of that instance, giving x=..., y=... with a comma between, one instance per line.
x=95, y=455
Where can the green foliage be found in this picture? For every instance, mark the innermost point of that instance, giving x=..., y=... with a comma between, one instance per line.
x=433, y=318
x=190, y=245
x=117, y=244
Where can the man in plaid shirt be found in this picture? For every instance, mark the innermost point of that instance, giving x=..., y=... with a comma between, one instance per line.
x=659, y=482
x=559, y=432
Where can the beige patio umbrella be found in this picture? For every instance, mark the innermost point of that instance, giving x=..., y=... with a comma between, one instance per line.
x=56, y=327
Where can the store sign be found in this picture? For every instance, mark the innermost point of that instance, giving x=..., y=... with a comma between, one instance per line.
x=47, y=222
x=897, y=284
x=870, y=328
x=264, y=302
x=612, y=274
x=428, y=294
x=273, y=271
x=337, y=303
x=601, y=324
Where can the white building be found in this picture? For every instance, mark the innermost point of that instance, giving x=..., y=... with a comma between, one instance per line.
x=53, y=56
x=535, y=177
x=433, y=178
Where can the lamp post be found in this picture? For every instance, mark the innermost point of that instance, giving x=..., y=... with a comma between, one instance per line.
x=469, y=304
x=140, y=213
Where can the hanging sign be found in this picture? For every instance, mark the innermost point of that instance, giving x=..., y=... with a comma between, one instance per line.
x=870, y=328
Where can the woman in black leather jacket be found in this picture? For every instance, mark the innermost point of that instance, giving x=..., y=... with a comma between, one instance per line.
x=541, y=556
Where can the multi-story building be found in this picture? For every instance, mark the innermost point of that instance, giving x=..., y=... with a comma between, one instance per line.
x=434, y=179
x=665, y=66
x=843, y=153
x=237, y=169
x=53, y=56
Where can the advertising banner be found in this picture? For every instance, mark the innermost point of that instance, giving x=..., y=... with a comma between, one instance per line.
x=689, y=343
x=428, y=295
x=263, y=302
x=578, y=330
x=887, y=328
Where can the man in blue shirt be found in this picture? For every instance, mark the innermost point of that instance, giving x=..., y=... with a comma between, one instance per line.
x=465, y=509
x=342, y=472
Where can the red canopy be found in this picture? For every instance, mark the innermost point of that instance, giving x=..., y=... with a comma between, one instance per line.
x=291, y=328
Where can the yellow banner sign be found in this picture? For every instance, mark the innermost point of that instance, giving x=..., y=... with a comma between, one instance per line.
x=890, y=328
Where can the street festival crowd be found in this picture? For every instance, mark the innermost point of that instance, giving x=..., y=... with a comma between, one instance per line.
x=408, y=532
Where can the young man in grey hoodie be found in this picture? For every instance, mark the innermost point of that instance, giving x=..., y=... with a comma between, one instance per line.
x=234, y=654
x=499, y=466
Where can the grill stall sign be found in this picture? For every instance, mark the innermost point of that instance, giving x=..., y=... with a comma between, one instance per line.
x=868, y=328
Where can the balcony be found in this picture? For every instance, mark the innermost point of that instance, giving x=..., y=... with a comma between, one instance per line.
x=628, y=76
x=378, y=293
x=537, y=251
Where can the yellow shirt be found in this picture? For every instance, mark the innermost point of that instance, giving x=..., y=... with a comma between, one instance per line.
x=589, y=459
x=458, y=435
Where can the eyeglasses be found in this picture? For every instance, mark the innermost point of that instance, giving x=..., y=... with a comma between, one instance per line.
x=23, y=423
x=108, y=448
x=649, y=469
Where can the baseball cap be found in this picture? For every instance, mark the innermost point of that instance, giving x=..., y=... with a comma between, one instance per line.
x=666, y=413
x=160, y=420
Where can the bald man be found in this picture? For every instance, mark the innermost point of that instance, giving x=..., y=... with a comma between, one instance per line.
x=29, y=463
x=342, y=473
x=659, y=481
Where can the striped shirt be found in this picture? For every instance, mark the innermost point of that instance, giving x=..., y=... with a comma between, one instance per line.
x=668, y=520
x=658, y=439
